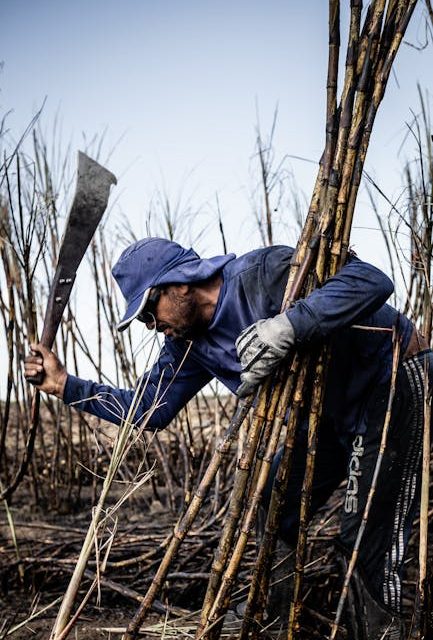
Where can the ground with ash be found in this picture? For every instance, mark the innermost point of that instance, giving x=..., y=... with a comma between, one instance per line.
x=34, y=575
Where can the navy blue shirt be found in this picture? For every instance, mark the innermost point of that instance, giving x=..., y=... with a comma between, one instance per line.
x=252, y=288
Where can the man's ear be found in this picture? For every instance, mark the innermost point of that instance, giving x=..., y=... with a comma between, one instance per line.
x=179, y=289
x=183, y=288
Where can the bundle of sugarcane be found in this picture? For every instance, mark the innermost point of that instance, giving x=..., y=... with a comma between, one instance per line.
x=321, y=251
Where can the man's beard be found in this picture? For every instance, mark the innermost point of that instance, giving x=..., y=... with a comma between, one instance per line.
x=192, y=324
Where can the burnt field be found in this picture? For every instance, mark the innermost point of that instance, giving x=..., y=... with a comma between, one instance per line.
x=48, y=521
x=120, y=532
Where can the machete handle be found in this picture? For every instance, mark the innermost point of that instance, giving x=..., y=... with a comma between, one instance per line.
x=38, y=379
x=90, y=201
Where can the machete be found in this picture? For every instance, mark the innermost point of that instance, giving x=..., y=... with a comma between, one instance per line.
x=88, y=206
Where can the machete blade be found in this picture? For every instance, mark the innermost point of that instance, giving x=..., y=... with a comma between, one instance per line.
x=89, y=204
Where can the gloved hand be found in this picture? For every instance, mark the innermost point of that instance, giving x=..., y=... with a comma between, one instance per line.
x=261, y=347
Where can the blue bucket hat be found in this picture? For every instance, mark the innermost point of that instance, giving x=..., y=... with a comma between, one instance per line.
x=154, y=262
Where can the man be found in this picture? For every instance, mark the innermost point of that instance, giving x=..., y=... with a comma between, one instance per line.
x=221, y=318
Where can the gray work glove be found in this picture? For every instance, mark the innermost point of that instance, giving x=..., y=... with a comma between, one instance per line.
x=261, y=347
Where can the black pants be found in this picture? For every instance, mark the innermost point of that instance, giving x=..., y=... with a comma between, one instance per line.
x=383, y=546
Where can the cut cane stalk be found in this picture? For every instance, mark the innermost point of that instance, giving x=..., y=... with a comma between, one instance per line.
x=260, y=581
x=258, y=483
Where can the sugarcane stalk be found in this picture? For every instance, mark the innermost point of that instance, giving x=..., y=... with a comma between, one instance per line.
x=260, y=579
x=307, y=486
x=12, y=529
x=346, y=112
x=337, y=198
x=420, y=620
x=10, y=326
x=379, y=85
x=68, y=600
x=423, y=544
x=222, y=598
x=355, y=552
x=331, y=84
x=242, y=478
x=348, y=91
x=186, y=522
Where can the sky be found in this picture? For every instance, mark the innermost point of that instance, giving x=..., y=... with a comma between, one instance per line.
x=177, y=88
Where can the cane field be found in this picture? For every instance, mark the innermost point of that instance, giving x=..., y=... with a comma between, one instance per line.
x=120, y=532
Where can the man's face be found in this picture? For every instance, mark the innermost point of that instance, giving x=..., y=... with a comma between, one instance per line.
x=176, y=313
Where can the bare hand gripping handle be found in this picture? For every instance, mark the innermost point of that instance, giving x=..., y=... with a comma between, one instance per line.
x=88, y=207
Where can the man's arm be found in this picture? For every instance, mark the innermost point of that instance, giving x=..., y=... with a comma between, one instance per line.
x=164, y=390
x=358, y=290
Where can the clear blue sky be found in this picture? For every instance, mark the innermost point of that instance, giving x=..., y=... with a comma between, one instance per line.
x=178, y=83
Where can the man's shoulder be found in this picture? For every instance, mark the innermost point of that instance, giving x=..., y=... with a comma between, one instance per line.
x=264, y=257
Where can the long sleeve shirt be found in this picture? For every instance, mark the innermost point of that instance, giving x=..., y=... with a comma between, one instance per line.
x=252, y=288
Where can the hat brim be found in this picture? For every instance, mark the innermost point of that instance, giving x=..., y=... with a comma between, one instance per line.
x=133, y=310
